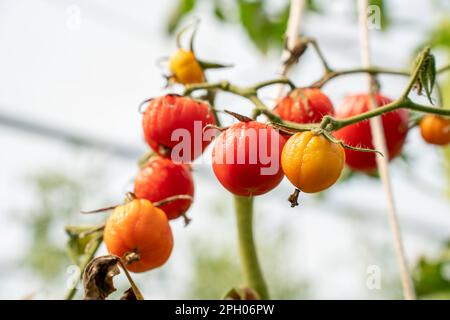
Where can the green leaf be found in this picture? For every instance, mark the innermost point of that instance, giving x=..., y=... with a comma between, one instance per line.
x=81, y=238
x=263, y=28
x=427, y=76
x=183, y=8
x=429, y=275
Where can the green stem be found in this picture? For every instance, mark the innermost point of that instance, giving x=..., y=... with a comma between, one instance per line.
x=263, y=84
x=443, y=69
x=261, y=108
x=251, y=270
x=329, y=123
x=372, y=70
x=319, y=53
x=333, y=124
x=89, y=256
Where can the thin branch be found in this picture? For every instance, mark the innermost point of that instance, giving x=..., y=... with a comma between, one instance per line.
x=329, y=123
x=172, y=199
x=379, y=142
x=443, y=69
x=319, y=53
x=371, y=70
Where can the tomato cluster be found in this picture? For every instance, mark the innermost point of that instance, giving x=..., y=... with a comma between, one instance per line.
x=249, y=158
x=139, y=227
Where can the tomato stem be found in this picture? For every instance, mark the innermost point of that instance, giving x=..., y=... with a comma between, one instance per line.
x=251, y=269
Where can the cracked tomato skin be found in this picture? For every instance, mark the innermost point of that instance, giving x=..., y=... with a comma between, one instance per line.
x=311, y=162
x=160, y=179
x=395, y=124
x=435, y=130
x=139, y=227
x=185, y=68
x=239, y=155
x=168, y=113
x=304, y=106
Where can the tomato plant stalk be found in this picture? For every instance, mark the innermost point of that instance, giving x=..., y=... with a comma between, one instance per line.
x=251, y=269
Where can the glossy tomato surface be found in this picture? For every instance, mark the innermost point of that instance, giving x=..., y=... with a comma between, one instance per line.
x=304, y=106
x=435, y=130
x=160, y=179
x=185, y=68
x=142, y=228
x=246, y=158
x=311, y=162
x=174, y=121
x=395, y=124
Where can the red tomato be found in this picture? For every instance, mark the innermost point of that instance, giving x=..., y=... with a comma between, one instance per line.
x=395, y=125
x=304, y=106
x=246, y=158
x=166, y=114
x=160, y=179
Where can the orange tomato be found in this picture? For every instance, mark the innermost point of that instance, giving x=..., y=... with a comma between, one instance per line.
x=185, y=68
x=141, y=228
x=311, y=162
x=435, y=129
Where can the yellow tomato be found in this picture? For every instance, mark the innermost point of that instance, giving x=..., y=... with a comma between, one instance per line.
x=435, y=130
x=311, y=162
x=185, y=68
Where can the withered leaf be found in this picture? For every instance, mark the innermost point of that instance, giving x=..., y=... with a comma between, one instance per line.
x=98, y=277
x=427, y=75
x=129, y=295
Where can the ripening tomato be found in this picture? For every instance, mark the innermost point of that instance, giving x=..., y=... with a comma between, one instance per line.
x=311, y=162
x=160, y=179
x=246, y=158
x=304, y=106
x=164, y=121
x=141, y=228
x=435, y=130
x=185, y=68
x=395, y=124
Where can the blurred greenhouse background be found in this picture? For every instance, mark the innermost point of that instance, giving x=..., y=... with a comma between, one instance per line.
x=72, y=76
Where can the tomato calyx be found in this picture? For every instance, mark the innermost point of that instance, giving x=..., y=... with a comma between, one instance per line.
x=130, y=196
x=238, y=116
x=327, y=134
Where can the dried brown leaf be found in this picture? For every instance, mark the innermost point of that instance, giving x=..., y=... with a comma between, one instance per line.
x=98, y=277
